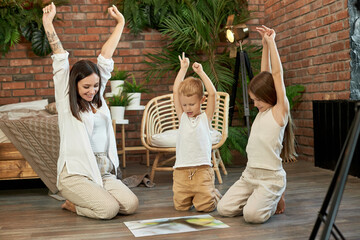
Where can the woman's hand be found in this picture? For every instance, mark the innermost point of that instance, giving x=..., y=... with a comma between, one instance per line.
x=115, y=14
x=197, y=67
x=184, y=61
x=49, y=13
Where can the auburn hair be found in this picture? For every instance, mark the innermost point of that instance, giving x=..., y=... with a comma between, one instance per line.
x=79, y=71
x=262, y=86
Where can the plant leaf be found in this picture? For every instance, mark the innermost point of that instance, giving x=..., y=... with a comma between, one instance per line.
x=39, y=42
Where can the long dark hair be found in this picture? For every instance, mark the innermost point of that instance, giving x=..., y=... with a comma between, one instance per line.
x=262, y=86
x=79, y=71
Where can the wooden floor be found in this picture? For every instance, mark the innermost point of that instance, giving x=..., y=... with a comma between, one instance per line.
x=32, y=214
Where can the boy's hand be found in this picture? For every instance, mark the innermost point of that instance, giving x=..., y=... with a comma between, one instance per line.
x=49, y=13
x=115, y=14
x=184, y=61
x=197, y=67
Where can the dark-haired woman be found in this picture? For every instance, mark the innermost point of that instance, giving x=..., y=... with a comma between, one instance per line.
x=88, y=161
x=259, y=193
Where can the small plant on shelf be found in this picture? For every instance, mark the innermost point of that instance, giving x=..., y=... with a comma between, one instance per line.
x=121, y=100
x=133, y=87
x=119, y=75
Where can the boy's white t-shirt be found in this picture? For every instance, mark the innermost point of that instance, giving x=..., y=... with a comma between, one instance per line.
x=193, y=145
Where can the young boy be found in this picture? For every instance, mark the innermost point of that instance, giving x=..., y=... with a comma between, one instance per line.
x=193, y=175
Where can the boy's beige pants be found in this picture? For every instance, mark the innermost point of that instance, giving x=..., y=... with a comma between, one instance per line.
x=195, y=186
x=94, y=201
x=255, y=195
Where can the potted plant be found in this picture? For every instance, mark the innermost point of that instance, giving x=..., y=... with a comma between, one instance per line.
x=117, y=80
x=134, y=90
x=117, y=105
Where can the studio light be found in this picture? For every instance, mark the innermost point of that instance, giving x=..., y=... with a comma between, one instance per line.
x=235, y=34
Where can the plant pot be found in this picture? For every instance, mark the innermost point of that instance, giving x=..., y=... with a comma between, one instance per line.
x=116, y=86
x=135, y=99
x=117, y=113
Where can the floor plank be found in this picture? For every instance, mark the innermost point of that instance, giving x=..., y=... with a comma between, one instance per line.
x=32, y=214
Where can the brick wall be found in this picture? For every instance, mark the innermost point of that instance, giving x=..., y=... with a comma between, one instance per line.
x=313, y=41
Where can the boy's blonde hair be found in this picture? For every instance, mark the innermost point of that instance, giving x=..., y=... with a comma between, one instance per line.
x=191, y=86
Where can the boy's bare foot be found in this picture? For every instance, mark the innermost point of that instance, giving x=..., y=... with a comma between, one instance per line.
x=281, y=206
x=69, y=206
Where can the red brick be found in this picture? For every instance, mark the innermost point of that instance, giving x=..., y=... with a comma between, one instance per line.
x=42, y=84
x=95, y=15
x=133, y=59
x=42, y=61
x=24, y=92
x=84, y=52
x=16, y=54
x=13, y=85
x=27, y=70
x=45, y=92
x=84, y=23
x=5, y=78
x=336, y=27
x=44, y=76
x=99, y=30
x=28, y=99
x=75, y=31
x=20, y=62
x=91, y=8
x=88, y=38
x=4, y=101
x=5, y=93
x=106, y=23
x=77, y=16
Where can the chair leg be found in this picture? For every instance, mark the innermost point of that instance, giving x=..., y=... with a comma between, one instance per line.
x=154, y=167
x=220, y=161
x=147, y=158
x=216, y=167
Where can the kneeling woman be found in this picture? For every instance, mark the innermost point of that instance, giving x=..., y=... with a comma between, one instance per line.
x=88, y=160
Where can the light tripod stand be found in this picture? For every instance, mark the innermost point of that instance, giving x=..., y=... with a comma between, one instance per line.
x=337, y=185
x=242, y=63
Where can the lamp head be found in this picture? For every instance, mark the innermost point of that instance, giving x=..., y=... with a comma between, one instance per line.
x=237, y=33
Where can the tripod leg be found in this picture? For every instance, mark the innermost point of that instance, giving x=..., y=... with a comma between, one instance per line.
x=339, y=190
x=244, y=88
x=322, y=212
x=234, y=88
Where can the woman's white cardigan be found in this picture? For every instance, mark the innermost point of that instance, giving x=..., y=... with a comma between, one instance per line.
x=75, y=147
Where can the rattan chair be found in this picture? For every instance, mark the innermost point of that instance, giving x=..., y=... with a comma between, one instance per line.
x=160, y=115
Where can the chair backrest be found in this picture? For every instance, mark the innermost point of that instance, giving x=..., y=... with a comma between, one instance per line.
x=160, y=115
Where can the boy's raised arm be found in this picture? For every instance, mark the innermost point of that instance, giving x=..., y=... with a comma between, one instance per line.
x=211, y=98
x=184, y=65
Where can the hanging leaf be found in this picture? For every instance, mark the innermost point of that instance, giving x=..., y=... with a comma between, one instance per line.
x=39, y=42
x=27, y=30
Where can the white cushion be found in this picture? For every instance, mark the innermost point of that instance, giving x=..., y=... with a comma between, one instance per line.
x=33, y=105
x=168, y=138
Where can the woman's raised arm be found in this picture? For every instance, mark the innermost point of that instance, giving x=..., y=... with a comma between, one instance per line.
x=110, y=45
x=49, y=13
